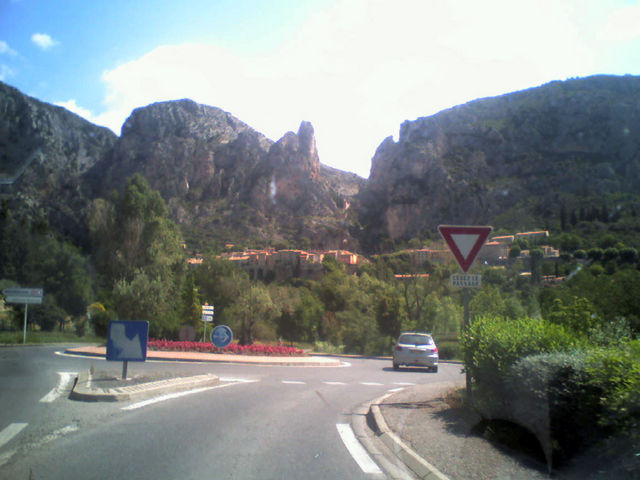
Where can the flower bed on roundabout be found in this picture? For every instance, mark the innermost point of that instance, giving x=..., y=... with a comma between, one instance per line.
x=232, y=348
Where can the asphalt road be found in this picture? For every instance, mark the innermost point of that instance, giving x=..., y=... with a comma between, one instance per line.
x=261, y=422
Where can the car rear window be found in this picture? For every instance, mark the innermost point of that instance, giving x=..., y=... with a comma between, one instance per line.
x=412, y=339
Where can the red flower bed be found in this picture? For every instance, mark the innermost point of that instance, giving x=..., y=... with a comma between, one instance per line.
x=256, y=349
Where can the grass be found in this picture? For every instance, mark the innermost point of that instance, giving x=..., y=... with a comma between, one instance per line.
x=47, y=337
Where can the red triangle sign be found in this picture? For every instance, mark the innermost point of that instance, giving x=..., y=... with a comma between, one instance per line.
x=464, y=242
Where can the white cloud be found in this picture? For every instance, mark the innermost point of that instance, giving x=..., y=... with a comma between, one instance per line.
x=43, y=41
x=72, y=106
x=5, y=49
x=357, y=70
x=5, y=72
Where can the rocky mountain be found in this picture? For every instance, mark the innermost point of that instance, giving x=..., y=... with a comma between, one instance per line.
x=512, y=160
x=223, y=180
x=45, y=151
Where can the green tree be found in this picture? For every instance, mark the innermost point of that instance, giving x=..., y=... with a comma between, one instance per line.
x=139, y=252
x=254, y=309
x=579, y=316
x=390, y=315
x=62, y=271
x=147, y=298
x=191, y=313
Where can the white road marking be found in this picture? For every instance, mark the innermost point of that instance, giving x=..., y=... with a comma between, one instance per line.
x=372, y=384
x=294, y=382
x=6, y=456
x=63, y=384
x=403, y=383
x=334, y=383
x=356, y=449
x=11, y=431
x=54, y=435
x=170, y=396
x=393, y=390
x=237, y=380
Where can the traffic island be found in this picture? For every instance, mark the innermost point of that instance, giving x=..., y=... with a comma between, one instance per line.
x=282, y=361
x=102, y=387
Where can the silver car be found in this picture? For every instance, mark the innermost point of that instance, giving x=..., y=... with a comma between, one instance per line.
x=415, y=349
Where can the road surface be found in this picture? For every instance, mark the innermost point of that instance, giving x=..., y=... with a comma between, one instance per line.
x=260, y=422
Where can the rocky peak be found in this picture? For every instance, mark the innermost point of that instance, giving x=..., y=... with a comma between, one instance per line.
x=184, y=118
x=297, y=151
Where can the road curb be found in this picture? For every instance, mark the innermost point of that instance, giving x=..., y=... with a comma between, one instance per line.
x=83, y=389
x=418, y=465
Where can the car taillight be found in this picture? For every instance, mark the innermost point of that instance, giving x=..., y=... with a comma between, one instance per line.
x=435, y=349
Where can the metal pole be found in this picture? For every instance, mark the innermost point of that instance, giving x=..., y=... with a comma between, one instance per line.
x=124, y=370
x=24, y=332
x=465, y=296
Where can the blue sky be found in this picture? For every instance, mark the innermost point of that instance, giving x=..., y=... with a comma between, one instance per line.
x=356, y=69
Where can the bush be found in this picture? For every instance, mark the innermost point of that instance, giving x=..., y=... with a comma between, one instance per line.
x=551, y=393
x=493, y=345
x=615, y=371
x=100, y=319
x=573, y=400
x=449, y=350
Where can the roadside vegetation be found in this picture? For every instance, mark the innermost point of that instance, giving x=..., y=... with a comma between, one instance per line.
x=561, y=359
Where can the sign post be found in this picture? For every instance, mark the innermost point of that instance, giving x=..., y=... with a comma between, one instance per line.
x=127, y=342
x=465, y=243
x=207, y=317
x=26, y=296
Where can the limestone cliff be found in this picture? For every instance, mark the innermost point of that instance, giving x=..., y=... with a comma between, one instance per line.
x=44, y=152
x=512, y=160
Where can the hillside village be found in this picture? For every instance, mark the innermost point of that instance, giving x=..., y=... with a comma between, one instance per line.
x=270, y=264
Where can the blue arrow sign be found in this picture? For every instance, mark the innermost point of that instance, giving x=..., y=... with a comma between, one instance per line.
x=127, y=341
x=221, y=336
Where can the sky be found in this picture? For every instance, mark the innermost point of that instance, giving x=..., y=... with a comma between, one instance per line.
x=355, y=69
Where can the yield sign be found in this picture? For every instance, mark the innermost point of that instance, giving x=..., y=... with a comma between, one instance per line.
x=464, y=242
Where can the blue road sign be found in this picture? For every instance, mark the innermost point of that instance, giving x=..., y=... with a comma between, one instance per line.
x=221, y=336
x=127, y=341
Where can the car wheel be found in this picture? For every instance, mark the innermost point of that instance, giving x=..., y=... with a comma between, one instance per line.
x=434, y=369
x=396, y=366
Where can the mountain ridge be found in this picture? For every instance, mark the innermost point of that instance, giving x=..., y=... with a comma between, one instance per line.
x=513, y=160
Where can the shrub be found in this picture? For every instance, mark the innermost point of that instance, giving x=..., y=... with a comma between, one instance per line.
x=448, y=350
x=550, y=393
x=493, y=345
x=615, y=371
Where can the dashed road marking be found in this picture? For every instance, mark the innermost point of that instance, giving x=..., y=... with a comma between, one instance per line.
x=54, y=435
x=237, y=380
x=64, y=382
x=357, y=451
x=6, y=456
x=11, y=431
x=293, y=382
x=334, y=383
x=372, y=384
x=408, y=384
